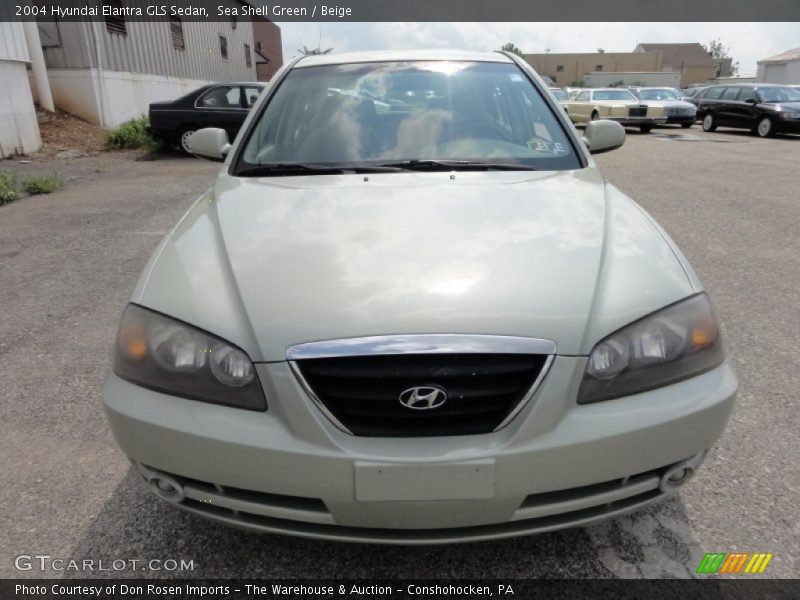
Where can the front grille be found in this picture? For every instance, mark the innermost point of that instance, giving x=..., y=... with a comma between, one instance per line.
x=363, y=392
x=637, y=111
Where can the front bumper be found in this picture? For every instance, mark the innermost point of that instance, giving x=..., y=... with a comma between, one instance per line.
x=681, y=119
x=787, y=125
x=636, y=121
x=288, y=470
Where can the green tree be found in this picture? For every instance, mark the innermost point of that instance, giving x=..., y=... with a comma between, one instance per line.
x=513, y=48
x=716, y=49
x=314, y=51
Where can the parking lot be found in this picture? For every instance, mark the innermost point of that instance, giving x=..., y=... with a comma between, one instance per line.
x=68, y=262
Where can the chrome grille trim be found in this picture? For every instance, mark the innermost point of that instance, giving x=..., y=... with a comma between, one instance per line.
x=421, y=344
x=527, y=397
x=315, y=399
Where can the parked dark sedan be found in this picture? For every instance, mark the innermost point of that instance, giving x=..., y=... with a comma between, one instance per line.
x=764, y=109
x=223, y=105
x=690, y=94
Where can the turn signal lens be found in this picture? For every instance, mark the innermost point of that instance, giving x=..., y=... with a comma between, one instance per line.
x=132, y=341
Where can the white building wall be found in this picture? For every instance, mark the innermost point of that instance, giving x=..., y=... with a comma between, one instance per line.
x=786, y=72
x=117, y=97
x=12, y=41
x=19, y=129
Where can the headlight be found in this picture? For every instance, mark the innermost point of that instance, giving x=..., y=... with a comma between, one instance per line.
x=166, y=355
x=790, y=115
x=674, y=343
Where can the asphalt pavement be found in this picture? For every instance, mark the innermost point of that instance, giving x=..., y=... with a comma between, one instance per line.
x=69, y=260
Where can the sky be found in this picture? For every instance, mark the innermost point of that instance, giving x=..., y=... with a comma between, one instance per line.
x=748, y=42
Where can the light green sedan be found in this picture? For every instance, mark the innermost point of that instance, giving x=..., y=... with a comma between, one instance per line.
x=410, y=309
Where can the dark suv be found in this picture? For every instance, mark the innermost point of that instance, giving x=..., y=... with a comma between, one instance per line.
x=764, y=109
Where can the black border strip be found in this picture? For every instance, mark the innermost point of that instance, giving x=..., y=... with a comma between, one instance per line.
x=426, y=10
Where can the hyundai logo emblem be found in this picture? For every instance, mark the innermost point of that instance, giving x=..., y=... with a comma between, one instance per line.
x=424, y=397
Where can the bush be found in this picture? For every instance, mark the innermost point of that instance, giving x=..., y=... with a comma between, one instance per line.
x=132, y=134
x=8, y=188
x=42, y=184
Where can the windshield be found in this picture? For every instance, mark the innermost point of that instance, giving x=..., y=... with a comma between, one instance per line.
x=613, y=95
x=559, y=94
x=778, y=94
x=391, y=113
x=659, y=94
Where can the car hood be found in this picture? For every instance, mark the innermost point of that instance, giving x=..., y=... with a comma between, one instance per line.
x=268, y=263
x=784, y=106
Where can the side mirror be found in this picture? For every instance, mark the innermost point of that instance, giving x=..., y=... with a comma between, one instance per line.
x=211, y=143
x=751, y=101
x=602, y=135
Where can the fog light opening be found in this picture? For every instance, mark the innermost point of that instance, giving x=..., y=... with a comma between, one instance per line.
x=677, y=475
x=166, y=488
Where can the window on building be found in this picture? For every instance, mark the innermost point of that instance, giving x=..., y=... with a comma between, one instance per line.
x=223, y=47
x=559, y=68
x=598, y=67
x=248, y=60
x=115, y=24
x=176, y=31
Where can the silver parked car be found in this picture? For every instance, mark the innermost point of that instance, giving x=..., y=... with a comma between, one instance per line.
x=425, y=320
x=677, y=110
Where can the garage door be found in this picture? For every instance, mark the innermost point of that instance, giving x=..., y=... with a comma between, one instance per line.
x=775, y=74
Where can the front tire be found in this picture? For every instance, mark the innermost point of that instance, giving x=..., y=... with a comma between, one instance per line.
x=765, y=128
x=184, y=135
x=686, y=125
x=595, y=116
x=709, y=122
x=645, y=128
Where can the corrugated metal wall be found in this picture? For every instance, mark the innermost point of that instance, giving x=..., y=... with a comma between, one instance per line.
x=12, y=41
x=148, y=48
x=73, y=53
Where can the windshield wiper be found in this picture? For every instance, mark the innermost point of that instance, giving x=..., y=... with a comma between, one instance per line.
x=278, y=169
x=457, y=165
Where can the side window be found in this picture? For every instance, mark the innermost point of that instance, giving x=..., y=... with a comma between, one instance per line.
x=730, y=93
x=713, y=93
x=582, y=97
x=747, y=94
x=251, y=95
x=223, y=96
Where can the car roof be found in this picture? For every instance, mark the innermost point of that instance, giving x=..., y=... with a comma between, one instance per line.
x=400, y=55
x=755, y=85
x=253, y=83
